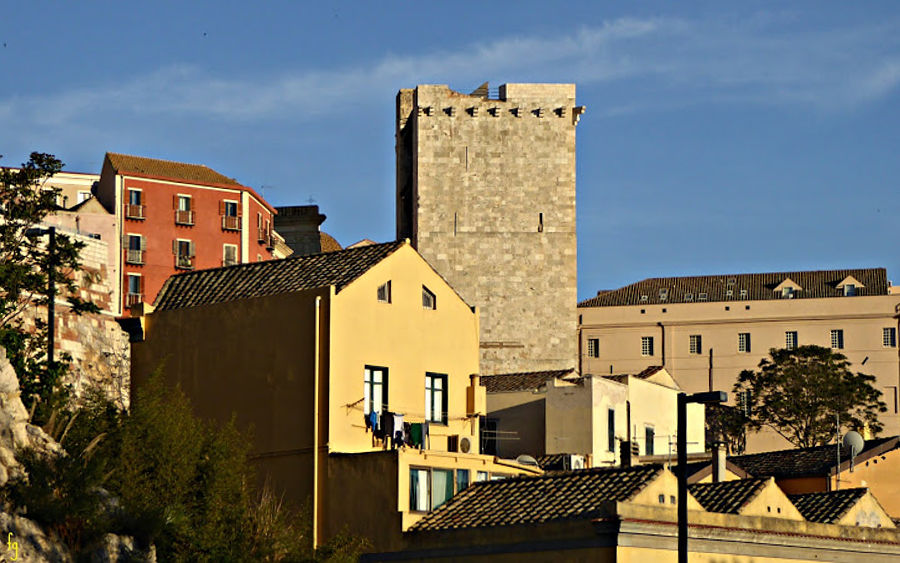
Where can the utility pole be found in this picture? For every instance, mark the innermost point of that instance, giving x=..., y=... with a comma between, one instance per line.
x=710, y=369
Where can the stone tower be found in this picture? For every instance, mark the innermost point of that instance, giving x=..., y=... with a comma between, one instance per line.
x=486, y=193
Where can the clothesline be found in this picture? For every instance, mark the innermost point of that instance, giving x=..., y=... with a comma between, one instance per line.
x=417, y=415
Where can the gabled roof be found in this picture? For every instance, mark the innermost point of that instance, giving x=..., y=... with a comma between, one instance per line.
x=687, y=289
x=523, y=381
x=654, y=374
x=259, y=279
x=727, y=496
x=827, y=508
x=570, y=495
x=805, y=462
x=158, y=168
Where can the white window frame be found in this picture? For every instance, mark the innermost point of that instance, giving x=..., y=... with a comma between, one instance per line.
x=225, y=261
x=375, y=393
x=837, y=338
x=429, y=299
x=889, y=337
x=593, y=347
x=790, y=340
x=695, y=344
x=191, y=254
x=436, y=403
x=383, y=294
x=744, y=344
x=647, y=346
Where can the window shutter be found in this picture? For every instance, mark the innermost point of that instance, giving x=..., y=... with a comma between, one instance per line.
x=221, y=208
x=175, y=201
x=141, y=284
x=125, y=241
x=191, y=249
x=175, y=247
x=239, y=209
x=143, y=243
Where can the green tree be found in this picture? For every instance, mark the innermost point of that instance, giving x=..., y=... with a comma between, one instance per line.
x=26, y=266
x=798, y=393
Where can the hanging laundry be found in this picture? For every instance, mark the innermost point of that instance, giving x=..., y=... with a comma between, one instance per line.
x=397, y=431
x=373, y=420
x=367, y=420
x=415, y=435
x=426, y=438
x=387, y=425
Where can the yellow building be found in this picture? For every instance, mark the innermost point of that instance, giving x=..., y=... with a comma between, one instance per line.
x=706, y=329
x=303, y=350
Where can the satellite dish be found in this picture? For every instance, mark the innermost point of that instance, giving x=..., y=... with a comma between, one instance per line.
x=853, y=442
x=526, y=460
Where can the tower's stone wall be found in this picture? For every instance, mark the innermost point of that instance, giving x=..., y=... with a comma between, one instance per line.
x=486, y=192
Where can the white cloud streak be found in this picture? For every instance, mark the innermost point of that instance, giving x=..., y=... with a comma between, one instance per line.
x=673, y=62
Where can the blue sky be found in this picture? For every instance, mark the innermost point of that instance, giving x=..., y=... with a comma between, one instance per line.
x=719, y=137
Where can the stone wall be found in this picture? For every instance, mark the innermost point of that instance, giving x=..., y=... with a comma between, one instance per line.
x=97, y=344
x=486, y=193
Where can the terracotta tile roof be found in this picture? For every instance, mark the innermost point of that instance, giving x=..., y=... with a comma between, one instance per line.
x=154, y=167
x=258, y=279
x=523, y=381
x=827, y=508
x=555, y=462
x=623, y=377
x=758, y=287
x=569, y=495
x=804, y=462
x=727, y=496
x=328, y=243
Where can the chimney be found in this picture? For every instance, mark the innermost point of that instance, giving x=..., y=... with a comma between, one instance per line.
x=718, y=462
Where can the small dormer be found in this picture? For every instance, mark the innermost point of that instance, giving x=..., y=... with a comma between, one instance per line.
x=849, y=286
x=787, y=289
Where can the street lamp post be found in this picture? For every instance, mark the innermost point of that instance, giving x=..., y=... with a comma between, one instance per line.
x=51, y=286
x=683, y=400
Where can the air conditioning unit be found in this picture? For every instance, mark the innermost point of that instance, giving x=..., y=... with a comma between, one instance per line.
x=576, y=462
x=465, y=444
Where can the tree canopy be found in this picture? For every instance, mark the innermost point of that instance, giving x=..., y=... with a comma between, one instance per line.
x=798, y=392
x=26, y=266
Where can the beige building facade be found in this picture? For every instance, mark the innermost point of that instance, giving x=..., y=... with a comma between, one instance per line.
x=705, y=330
x=303, y=350
x=486, y=193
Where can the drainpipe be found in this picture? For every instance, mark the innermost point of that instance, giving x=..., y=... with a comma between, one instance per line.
x=315, y=409
x=662, y=338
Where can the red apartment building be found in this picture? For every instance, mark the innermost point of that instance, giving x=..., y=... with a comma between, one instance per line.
x=174, y=217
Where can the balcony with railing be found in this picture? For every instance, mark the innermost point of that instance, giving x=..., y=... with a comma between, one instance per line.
x=134, y=211
x=229, y=262
x=134, y=256
x=231, y=222
x=183, y=262
x=133, y=298
x=184, y=217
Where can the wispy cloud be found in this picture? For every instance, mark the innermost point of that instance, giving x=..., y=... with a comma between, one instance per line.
x=673, y=62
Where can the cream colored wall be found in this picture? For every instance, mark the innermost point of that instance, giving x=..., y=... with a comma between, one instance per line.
x=569, y=416
x=666, y=487
x=862, y=318
x=70, y=183
x=608, y=394
x=655, y=405
x=521, y=412
x=867, y=512
x=253, y=358
x=406, y=339
x=880, y=476
x=772, y=502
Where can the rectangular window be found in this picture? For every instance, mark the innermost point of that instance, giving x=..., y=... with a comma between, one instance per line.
x=649, y=438
x=849, y=290
x=702, y=296
x=696, y=344
x=184, y=210
x=135, y=250
x=135, y=289
x=436, y=398
x=134, y=209
x=229, y=254
x=790, y=339
x=384, y=292
x=688, y=297
x=743, y=342
x=663, y=294
x=611, y=429
x=889, y=337
x=429, y=301
x=481, y=476
x=231, y=219
x=593, y=347
x=441, y=486
x=646, y=346
x=418, y=490
x=743, y=294
x=83, y=196
x=375, y=392
x=837, y=339
x=184, y=254
x=462, y=479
